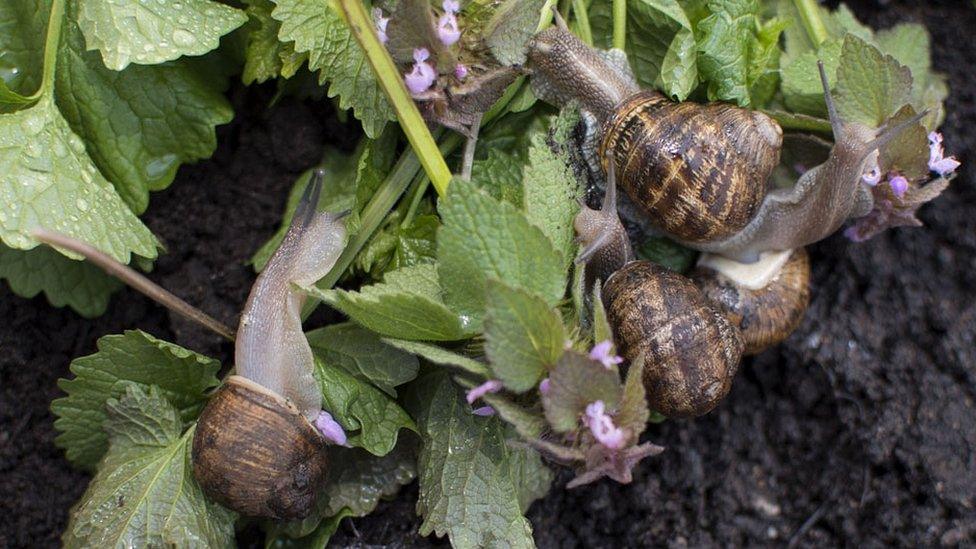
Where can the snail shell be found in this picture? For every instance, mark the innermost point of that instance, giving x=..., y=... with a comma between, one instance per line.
x=765, y=316
x=691, y=350
x=256, y=454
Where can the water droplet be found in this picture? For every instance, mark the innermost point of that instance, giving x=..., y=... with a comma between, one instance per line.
x=86, y=176
x=82, y=204
x=183, y=38
x=148, y=48
x=76, y=144
x=59, y=149
x=161, y=167
x=33, y=123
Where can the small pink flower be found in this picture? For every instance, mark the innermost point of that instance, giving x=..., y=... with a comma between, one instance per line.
x=899, y=185
x=602, y=427
x=451, y=6
x=544, y=386
x=447, y=28
x=330, y=428
x=490, y=386
x=422, y=77
x=872, y=177
x=484, y=411
x=601, y=354
x=460, y=71
x=938, y=162
x=381, y=23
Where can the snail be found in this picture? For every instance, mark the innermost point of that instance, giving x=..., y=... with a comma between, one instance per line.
x=259, y=447
x=691, y=350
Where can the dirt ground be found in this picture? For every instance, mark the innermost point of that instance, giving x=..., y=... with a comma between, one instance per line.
x=860, y=430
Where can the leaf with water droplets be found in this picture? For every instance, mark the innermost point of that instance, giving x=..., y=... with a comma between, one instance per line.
x=148, y=32
x=46, y=177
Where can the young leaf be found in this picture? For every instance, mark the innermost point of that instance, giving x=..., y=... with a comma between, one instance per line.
x=483, y=238
x=661, y=46
x=409, y=305
x=549, y=193
x=137, y=32
x=359, y=406
x=601, y=326
x=361, y=354
x=317, y=28
x=439, y=355
x=64, y=281
x=573, y=384
x=182, y=377
x=144, y=493
x=499, y=175
x=524, y=336
x=632, y=413
x=510, y=28
x=871, y=86
x=472, y=483
x=265, y=55
x=801, y=87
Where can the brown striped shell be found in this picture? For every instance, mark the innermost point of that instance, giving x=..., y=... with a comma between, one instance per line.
x=691, y=351
x=766, y=316
x=254, y=453
x=700, y=171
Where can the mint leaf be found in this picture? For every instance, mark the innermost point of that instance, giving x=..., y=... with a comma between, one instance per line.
x=439, y=355
x=139, y=124
x=524, y=336
x=144, y=493
x=64, y=281
x=575, y=382
x=357, y=479
x=499, y=175
x=550, y=193
x=510, y=28
x=316, y=28
x=911, y=46
x=483, y=238
x=871, y=86
x=801, y=87
x=359, y=406
x=471, y=480
x=361, y=354
x=601, y=326
x=148, y=34
x=264, y=52
x=182, y=377
x=633, y=412
x=409, y=305
x=661, y=47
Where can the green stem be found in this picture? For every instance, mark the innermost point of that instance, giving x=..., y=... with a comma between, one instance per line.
x=583, y=21
x=54, y=24
x=799, y=122
x=619, y=24
x=390, y=80
x=420, y=184
x=810, y=16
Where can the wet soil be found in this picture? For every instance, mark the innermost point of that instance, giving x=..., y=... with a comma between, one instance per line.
x=860, y=430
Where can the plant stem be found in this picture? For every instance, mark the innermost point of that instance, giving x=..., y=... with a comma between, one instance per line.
x=799, y=122
x=619, y=24
x=583, y=21
x=420, y=184
x=54, y=24
x=389, y=78
x=810, y=16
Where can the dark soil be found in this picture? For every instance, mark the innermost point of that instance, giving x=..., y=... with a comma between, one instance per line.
x=860, y=430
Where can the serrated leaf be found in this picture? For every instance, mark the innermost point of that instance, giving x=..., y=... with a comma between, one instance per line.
x=500, y=175
x=317, y=28
x=181, y=376
x=358, y=480
x=633, y=413
x=524, y=336
x=550, y=193
x=359, y=406
x=661, y=46
x=22, y=36
x=363, y=355
x=439, y=355
x=601, y=326
x=908, y=152
x=871, y=86
x=409, y=305
x=139, y=125
x=148, y=34
x=575, y=382
x=144, y=493
x=483, y=238
x=64, y=281
x=910, y=44
x=47, y=179
x=510, y=28
x=264, y=55
x=801, y=87
x=472, y=483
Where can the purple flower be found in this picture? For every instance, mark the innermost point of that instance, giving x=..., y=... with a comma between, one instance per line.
x=422, y=77
x=899, y=185
x=330, y=428
x=490, y=386
x=460, y=71
x=381, y=23
x=938, y=163
x=544, y=386
x=447, y=25
x=484, y=411
x=602, y=427
x=601, y=354
x=872, y=177
x=451, y=6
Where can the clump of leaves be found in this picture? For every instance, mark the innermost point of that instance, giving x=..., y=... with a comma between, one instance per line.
x=100, y=103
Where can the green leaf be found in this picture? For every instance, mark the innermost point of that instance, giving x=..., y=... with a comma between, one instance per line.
x=499, y=175
x=47, y=179
x=668, y=253
x=148, y=34
x=601, y=326
x=575, y=382
x=181, y=376
x=139, y=125
x=801, y=87
x=363, y=355
x=633, y=412
x=359, y=406
x=550, y=193
x=144, y=493
x=64, y=281
x=409, y=305
x=910, y=45
x=510, y=28
x=358, y=480
x=472, y=483
x=871, y=86
x=317, y=28
x=524, y=336
x=661, y=46
x=440, y=356
x=265, y=56
x=483, y=238
x=22, y=36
